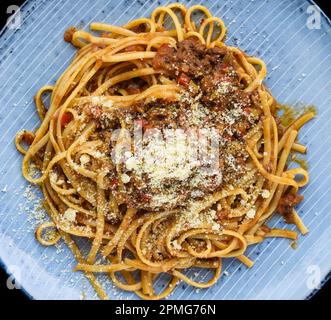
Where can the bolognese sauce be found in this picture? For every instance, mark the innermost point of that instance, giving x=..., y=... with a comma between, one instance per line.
x=211, y=98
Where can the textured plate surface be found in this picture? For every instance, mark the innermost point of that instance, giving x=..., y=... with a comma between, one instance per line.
x=299, y=68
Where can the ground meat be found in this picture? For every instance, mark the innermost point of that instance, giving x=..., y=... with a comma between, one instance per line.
x=280, y=127
x=188, y=59
x=164, y=59
x=69, y=33
x=94, y=111
x=140, y=28
x=133, y=88
x=211, y=97
x=286, y=204
x=192, y=58
x=210, y=69
x=216, y=54
x=222, y=214
x=210, y=84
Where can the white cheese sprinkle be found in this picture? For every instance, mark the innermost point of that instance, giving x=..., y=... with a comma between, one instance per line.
x=127, y=154
x=265, y=194
x=125, y=178
x=176, y=245
x=53, y=176
x=251, y=213
x=131, y=164
x=70, y=214
x=84, y=159
x=98, y=154
x=95, y=100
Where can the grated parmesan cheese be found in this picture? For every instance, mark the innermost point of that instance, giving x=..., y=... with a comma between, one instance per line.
x=70, y=214
x=84, y=159
x=265, y=194
x=125, y=178
x=96, y=100
x=97, y=154
x=131, y=164
x=251, y=213
x=176, y=245
x=53, y=177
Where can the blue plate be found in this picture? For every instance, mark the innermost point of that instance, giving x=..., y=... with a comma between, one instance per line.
x=299, y=67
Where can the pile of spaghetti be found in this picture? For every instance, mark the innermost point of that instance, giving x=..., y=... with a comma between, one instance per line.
x=145, y=216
